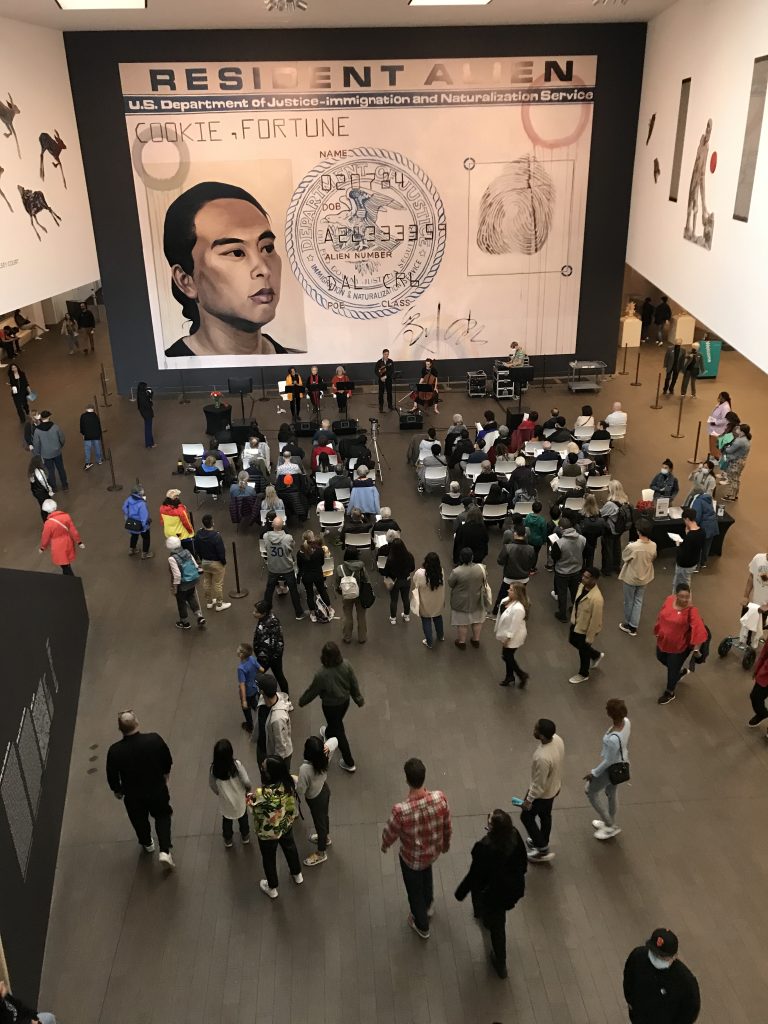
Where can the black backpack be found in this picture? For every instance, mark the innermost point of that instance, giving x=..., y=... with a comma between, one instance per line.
x=623, y=518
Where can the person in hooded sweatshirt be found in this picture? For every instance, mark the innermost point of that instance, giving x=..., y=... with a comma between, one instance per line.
x=706, y=517
x=60, y=535
x=90, y=428
x=47, y=441
x=272, y=734
x=659, y=988
x=137, y=521
x=281, y=564
x=517, y=558
x=568, y=556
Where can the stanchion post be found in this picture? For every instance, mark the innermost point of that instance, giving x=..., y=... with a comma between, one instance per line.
x=657, y=403
x=183, y=400
x=104, y=392
x=695, y=459
x=679, y=418
x=637, y=383
x=624, y=371
x=114, y=486
x=238, y=592
x=264, y=396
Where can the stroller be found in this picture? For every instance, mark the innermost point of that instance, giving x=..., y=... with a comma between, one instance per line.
x=750, y=637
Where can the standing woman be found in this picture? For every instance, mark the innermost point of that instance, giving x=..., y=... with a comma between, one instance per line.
x=726, y=437
x=703, y=481
x=69, y=330
x=397, y=574
x=274, y=812
x=60, y=534
x=293, y=380
x=511, y=631
x=496, y=881
x=429, y=597
x=679, y=631
x=592, y=527
x=735, y=457
x=314, y=396
x=716, y=421
x=146, y=411
x=693, y=365
x=39, y=483
x=310, y=559
x=19, y=385
x=137, y=520
x=229, y=781
x=342, y=397
x=601, y=792
x=471, y=599
x=611, y=512
x=312, y=785
x=335, y=684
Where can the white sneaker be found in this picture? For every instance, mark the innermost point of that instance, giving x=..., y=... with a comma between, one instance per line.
x=223, y=606
x=264, y=886
x=597, y=660
x=406, y=618
x=392, y=622
x=313, y=839
x=210, y=604
x=607, y=833
x=298, y=879
x=150, y=848
x=597, y=823
x=347, y=767
x=578, y=679
x=167, y=861
x=553, y=594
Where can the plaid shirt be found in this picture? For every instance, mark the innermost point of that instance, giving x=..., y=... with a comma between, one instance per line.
x=423, y=826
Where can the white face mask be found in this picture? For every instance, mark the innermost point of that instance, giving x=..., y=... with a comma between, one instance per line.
x=664, y=470
x=705, y=470
x=659, y=962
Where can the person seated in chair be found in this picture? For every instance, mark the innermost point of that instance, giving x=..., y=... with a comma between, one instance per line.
x=355, y=447
x=356, y=521
x=478, y=454
x=256, y=453
x=208, y=467
x=386, y=522
x=601, y=433
x=453, y=434
x=487, y=474
x=341, y=479
x=435, y=458
x=329, y=502
x=426, y=444
x=461, y=447
x=324, y=448
x=548, y=454
x=551, y=423
x=489, y=424
x=497, y=495
x=665, y=484
x=561, y=432
x=288, y=466
x=617, y=417
x=365, y=494
x=522, y=480
x=324, y=434
x=453, y=496
x=570, y=468
x=242, y=488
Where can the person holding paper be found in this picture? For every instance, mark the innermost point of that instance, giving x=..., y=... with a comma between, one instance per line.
x=689, y=549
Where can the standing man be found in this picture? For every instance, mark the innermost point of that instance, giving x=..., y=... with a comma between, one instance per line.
x=693, y=366
x=273, y=724
x=385, y=372
x=138, y=766
x=268, y=642
x=422, y=823
x=673, y=363
x=90, y=428
x=210, y=549
x=636, y=573
x=646, y=318
x=661, y=317
x=86, y=322
x=659, y=988
x=546, y=779
x=586, y=623
x=567, y=553
x=688, y=550
x=47, y=441
x=281, y=564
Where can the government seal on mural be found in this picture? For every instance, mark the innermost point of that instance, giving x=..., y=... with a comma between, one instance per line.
x=365, y=233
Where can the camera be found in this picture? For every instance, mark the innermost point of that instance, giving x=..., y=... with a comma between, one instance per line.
x=373, y=421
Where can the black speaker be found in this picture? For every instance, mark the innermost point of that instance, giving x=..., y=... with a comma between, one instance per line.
x=341, y=427
x=304, y=428
x=411, y=421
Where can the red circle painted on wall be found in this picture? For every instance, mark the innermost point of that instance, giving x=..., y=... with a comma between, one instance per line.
x=713, y=162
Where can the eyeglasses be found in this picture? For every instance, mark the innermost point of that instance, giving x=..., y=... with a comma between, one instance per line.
x=128, y=711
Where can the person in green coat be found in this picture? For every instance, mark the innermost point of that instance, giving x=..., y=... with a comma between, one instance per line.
x=335, y=684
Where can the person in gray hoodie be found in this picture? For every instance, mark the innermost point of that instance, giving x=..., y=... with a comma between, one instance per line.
x=272, y=734
x=568, y=556
x=281, y=564
x=517, y=558
x=47, y=441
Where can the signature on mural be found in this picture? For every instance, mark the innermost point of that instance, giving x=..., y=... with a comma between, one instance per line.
x=415, y=331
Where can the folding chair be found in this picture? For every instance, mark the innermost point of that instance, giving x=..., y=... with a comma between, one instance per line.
x=618, y=434
x=472, y=470
x=230, y=449
x=505, y=467
x=482, y=488
x=435, y=477
x=647, y=494
x=561, y=447
x=450, y=512
x=190, y=453
x=359, y=541
x=583, y=433
x=568, y=483
x=330, y=520
x=545, y=467
x=599, y=448
x=523, y=507
x=322, y=479
x=575, y=503
x=206, y=485
x=343, y=494
x=495, y=513
x=598, y=483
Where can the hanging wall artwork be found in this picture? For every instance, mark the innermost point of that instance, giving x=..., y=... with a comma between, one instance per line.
x=696, y=194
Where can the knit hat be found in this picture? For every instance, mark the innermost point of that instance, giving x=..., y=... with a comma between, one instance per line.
x=663, y=942
x=49, y=505
x=172, y=543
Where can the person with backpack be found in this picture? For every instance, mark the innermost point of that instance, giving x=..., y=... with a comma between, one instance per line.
x=229, y=781
x=351, y=577
x=137, y=521
x=618, y=515
x=496, y=881
x=60, y=534
x=335, y=684
x=90, y=429
x=275, y=809
x=185, y=573
x=312, y=784
x=48, y=440
x=38, y=483
x=600, y=788
x=535, y=532
x=679, y=631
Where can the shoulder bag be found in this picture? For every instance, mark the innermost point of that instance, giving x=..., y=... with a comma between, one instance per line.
x=487, y=592
x=619, y=771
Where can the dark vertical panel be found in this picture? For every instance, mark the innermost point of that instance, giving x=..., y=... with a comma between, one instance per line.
x=677, y=160
x=752, y=133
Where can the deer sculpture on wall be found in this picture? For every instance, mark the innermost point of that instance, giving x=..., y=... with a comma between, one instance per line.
x=34, y=202
x=53, y=146
x=8, y=112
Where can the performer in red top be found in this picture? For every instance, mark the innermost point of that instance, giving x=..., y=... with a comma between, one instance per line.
x=342, y=396
x=314, y=396
x=679, y=631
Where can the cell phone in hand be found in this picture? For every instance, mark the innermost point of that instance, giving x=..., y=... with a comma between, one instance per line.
x=517, y=802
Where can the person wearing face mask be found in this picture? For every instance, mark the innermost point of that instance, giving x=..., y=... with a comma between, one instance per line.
x=703, y=481
x=659, y=988
x=734, y=459
x=665, y=484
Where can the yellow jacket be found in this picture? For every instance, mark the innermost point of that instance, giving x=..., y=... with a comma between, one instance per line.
x=587, y=614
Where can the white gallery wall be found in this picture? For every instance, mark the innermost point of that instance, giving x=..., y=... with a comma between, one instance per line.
x=46, y=258
x=715, y=43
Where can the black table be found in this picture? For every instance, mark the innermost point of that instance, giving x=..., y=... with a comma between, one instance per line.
x=217, y=418
x=661, y=527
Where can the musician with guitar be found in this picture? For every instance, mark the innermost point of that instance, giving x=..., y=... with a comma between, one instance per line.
x=385, y=372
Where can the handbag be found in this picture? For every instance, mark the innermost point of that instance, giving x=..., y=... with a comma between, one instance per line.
x=487, y=592
x=619, y=771
x=388, y=583
x=367, y=596
x=134, y=525
x=415, y=602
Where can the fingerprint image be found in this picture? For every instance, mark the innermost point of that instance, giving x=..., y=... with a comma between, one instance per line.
x=516, y=209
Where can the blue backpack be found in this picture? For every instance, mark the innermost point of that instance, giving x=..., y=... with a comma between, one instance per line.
x=187, y=566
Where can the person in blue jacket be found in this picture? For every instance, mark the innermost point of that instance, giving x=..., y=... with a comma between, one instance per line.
x=137, y=521
x=706, y=517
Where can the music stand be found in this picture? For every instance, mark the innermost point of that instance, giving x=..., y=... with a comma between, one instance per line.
x=241, y=386
x=520, y=375
x=347, y=389
x=315, y=389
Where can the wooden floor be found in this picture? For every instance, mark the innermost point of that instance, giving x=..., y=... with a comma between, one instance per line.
x=130, y=946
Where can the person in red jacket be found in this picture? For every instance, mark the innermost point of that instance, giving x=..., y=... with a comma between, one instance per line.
x=60, y=534
x=759, y=692
x=679, y=631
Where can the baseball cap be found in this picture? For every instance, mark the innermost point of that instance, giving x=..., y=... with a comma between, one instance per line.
x=663, y=942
